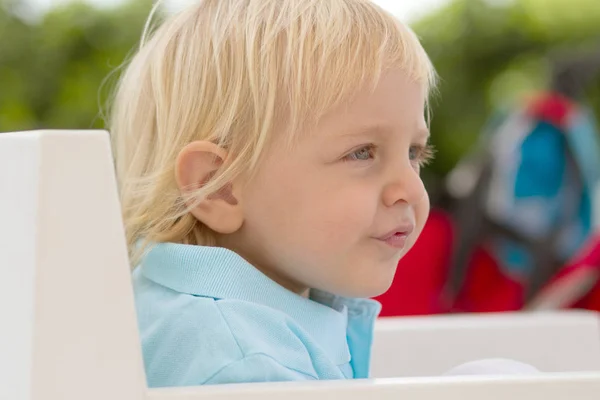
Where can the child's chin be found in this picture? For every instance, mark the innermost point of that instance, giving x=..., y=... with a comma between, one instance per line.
x=370, y=288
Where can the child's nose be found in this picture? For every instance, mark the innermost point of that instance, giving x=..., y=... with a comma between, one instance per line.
x=404, y=186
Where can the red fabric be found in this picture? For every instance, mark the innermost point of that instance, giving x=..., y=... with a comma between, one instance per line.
x=591, y=301
x=421, y=275
x=487, y=288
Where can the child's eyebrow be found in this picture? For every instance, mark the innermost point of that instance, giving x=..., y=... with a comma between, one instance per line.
x=382, y=130
x=368, y=130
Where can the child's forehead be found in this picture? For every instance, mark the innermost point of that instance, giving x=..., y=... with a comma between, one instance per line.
x=396, y=100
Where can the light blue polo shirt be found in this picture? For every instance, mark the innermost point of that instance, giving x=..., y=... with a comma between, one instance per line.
x=206, y=316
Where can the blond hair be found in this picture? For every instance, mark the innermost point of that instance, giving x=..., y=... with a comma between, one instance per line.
x=225, y=71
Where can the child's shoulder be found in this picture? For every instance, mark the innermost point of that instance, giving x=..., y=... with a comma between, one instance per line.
x=194, y=340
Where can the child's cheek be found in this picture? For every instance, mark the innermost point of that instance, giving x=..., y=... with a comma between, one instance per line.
x=421, y=215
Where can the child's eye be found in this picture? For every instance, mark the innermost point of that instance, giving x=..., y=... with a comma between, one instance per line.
x=365, y=153
x=420, y=154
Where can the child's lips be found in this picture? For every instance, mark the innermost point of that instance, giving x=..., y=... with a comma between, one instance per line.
x=397, y=237
x=397, y=240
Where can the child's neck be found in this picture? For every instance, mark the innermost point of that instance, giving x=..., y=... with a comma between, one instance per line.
x=270, y=271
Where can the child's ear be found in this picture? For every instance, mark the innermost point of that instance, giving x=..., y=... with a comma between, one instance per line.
x=197, y=162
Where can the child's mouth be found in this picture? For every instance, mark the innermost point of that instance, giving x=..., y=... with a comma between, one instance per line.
x=397, y=238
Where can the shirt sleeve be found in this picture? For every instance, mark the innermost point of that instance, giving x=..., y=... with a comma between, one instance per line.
x=256, y=368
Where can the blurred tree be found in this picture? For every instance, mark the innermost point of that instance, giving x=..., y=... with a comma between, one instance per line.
x=487, y=52
x=51, y=70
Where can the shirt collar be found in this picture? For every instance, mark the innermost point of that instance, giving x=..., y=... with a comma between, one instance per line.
x=220, y=273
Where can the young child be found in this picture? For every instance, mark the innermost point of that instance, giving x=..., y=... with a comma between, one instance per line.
x=268, y=156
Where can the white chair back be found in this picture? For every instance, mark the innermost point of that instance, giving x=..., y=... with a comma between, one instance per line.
x=69, y=329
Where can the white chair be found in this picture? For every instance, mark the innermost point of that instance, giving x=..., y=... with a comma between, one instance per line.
x=68, y=318
x=429, y=346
